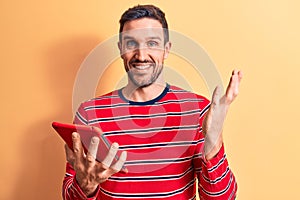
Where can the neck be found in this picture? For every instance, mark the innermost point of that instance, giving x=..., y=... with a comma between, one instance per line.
x=142, y=94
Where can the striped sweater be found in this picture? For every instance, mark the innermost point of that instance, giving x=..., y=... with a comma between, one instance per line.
x=164, y=143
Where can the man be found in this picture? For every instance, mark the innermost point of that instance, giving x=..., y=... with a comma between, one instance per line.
x=169, y=137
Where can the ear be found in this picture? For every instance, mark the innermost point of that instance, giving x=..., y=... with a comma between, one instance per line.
x=120, y=49
x=168, y=46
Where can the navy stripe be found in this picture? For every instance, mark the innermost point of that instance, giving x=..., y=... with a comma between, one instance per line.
x=172, y=128
x=217, y=179
x=194, y=197
x=106, y=106
x=220, y=192
x=232, y=194
x=116, y=105
x=154, y=145
x=150, y=102
x=179, y=91
x=218, y=164
x=147, y=116
x=83, y=120
x=161, y=161
x=151, y=178
x=105, y=97
x=204, y=110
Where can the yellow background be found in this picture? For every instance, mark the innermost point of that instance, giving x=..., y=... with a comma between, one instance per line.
x=43, y=43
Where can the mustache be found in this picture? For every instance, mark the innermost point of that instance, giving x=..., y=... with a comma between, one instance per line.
x=136, y=61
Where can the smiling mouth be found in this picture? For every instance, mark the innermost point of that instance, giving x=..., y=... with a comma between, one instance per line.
x=142, y=66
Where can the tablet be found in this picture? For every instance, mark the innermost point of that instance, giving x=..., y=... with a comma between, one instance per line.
x=86, y=134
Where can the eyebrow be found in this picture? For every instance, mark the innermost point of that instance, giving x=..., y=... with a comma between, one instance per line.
x=126, y=37
x=154, y=38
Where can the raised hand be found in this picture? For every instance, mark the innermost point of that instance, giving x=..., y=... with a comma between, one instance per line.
x=89, y=172
x=215, y=117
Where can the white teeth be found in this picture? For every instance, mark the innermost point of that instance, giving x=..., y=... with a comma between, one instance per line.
x=142, y=66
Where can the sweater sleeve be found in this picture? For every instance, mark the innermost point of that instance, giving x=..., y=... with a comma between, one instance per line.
x=70, y=189
x=216, y=180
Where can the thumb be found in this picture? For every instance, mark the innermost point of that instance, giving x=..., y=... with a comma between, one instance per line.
x=69, y=155
x=216, y=96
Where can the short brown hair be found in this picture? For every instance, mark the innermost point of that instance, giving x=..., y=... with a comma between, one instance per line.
x=147, y=11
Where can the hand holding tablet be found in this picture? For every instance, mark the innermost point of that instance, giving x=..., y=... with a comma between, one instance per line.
x=87, y=133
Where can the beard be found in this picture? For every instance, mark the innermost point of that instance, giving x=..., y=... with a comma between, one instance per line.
x=145, y=80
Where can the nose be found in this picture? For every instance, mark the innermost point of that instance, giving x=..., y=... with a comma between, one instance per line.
x=141, y=54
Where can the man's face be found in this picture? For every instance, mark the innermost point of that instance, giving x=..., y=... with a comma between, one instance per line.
x=143, y=50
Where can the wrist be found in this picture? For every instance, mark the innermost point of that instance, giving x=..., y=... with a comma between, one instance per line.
x=88, y=189
x=213, y=152
x=211, y=149
x=90, y=192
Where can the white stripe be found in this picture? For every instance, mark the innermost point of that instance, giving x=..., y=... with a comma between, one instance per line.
x=159, y=161
x=105, y=97
x=152, y=130
x=215, y=194
x=150, y=178
x=146, y=116
x=215, y=181
x=158, y=145
x=81, y=118
x=122, y=104
x=215, y=167
x=67, y=186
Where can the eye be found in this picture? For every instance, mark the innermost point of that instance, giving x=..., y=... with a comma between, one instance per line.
x=131, y=44
x=152, y=44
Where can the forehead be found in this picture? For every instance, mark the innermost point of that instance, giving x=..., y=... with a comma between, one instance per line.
x=142, y=28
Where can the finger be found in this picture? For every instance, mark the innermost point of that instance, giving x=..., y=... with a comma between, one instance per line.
x=233, y=85
x=236, y=79
x=93, y=148
x=68, y=150
x=120, y=163
x=232, y=82
x=234, y=72
x=111, y=155
x=98, y=130
x=240, y=75
x=77, y=147
x=91, y=154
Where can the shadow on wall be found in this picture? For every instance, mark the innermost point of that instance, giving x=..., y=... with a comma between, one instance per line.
x=43, y=160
